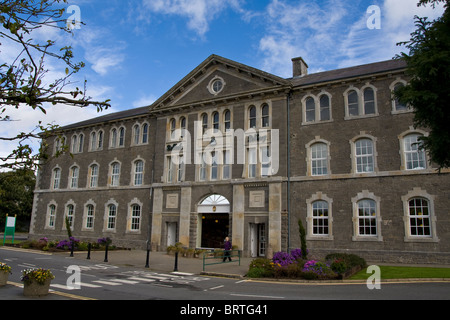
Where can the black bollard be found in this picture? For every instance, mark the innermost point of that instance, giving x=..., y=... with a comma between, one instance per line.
x=148, y=259
x=71, y=247
x=106, y=253
x=89, y=252
x=175, y=269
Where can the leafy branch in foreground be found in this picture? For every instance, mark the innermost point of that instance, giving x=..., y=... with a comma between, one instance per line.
x=25, y=81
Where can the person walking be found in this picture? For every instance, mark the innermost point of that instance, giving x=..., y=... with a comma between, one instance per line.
x=227, y=253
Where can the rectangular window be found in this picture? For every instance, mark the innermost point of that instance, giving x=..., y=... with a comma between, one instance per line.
x=135, y=217
x=320, y=218
x=252, y=161
x=319, y=159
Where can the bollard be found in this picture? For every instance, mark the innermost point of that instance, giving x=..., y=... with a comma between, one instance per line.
x=72, y=244
x=148, y=258
x=89, y=252
x=175, y=269
x=106, y=253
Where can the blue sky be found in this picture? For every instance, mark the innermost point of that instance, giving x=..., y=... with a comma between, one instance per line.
x=136, y=50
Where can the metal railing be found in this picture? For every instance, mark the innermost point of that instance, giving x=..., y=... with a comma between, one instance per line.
x=221, y=255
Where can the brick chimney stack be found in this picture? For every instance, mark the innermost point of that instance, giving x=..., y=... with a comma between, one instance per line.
x=299, y=67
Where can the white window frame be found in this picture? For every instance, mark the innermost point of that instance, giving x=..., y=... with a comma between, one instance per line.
x=356, y=201
x=309, y=157
x=418, y=193
x=310, y=235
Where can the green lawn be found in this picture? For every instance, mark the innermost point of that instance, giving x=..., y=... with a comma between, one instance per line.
x=388, y=272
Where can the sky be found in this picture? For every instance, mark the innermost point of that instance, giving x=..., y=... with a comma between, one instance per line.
x=136, y=50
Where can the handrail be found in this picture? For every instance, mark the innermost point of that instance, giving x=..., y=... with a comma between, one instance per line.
x=212, y=255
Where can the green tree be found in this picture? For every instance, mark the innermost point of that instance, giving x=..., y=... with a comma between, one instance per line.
x=24, y=81
x=16, y=196
x=428, y=92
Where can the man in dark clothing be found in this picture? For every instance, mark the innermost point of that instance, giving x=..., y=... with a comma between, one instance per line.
x=227, y=252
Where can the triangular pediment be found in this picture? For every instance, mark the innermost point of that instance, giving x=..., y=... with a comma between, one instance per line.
x=218, y=79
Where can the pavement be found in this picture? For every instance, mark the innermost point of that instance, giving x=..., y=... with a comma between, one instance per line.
x=163, y=262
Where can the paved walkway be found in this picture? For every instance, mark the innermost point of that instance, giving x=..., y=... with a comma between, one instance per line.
x=162, y=262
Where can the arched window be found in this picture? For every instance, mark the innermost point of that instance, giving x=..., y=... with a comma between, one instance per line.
x=369, y=101
x=265, y=116
x=414, y=155
x=252, y=117
x=145, y=133
x=138, y=172
x=121, y=137
x=136, y=134
x=56, y=178
x=364, y=156
x=115, y=174
x=112, y=215
x=74, y=173
x=204, y=122
x=325, y=109
x=319, y=159
x=320, y=218
x=89, y=216
x=310, y=110
x=135, y=217
x=227, y=120
x=419, y=217
x=367, y=217
x=353, y=103
x=215, y=119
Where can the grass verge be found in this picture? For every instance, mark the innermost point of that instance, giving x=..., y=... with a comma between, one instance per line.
x=390, y=272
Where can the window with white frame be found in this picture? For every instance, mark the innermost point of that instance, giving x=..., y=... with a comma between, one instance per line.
x=93, y=176
x=320, y=218
x=419, y=217
x=56, y=183
x=319, y=159
x=138, y=172
x=135, y=217
x=96, y=142
x=115, y=174
x=112, y=215
x=364, y=156
x=70, y=215
x=251, y=162
x=136, y=134
x=89, y=221
x=74, y=173
x=51, y=216
x=414, y=154
x=366, y=217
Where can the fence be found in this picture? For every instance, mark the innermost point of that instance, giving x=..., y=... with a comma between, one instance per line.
x=213, y=255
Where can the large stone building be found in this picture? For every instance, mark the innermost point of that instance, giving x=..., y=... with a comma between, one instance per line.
x=231, y=150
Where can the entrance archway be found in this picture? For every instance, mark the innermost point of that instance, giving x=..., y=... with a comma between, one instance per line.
x=213, y=222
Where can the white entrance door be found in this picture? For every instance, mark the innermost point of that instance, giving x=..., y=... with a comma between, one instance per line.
x=171, y=233
x=257, y=240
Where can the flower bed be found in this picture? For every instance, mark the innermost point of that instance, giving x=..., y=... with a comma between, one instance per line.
x=291, y=265
x=45, y=244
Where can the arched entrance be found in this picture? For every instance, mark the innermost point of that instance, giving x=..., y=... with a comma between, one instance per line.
x=213, y=221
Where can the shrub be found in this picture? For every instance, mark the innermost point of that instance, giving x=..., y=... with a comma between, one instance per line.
x=321, y=269
x=339, y=266
x=351, y=260
x=261, y=268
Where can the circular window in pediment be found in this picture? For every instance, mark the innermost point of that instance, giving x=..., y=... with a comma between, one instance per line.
x=216, y=85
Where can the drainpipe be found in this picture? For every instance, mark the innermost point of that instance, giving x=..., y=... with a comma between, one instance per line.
x=289, y=95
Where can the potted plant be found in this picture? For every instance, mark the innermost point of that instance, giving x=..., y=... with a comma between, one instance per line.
x=5, y=271
x=36, y=282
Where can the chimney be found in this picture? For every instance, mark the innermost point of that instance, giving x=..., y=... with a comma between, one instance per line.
x=299, y=67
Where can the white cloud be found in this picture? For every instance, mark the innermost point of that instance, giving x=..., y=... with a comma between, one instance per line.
x=306, y=29
x=199, y=13
x=145, y=100
x=362, y=45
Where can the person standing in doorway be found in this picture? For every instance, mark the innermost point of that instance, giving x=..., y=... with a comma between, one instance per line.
x=227, y=247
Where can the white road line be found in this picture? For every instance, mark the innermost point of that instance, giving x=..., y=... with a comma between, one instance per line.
x=215, y=288
x=108, y=283
x=89, y=285
x=142, y=279
x=255, y=296
x=60, y=286
x=124, y=281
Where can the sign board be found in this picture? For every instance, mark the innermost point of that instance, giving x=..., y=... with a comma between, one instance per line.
x=10, y=228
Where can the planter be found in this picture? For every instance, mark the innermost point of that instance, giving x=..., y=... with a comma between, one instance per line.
x=3, y=278
x=34, y=289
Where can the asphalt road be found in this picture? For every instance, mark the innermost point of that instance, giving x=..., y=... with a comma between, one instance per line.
x=188, y=293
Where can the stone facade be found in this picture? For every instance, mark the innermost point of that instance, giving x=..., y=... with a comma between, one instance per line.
x=233, y=151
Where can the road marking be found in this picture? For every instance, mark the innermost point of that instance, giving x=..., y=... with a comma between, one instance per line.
x=142, y=279
x=215, y=288
x=124, y=281
x=255, y=296
x=108, y=283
